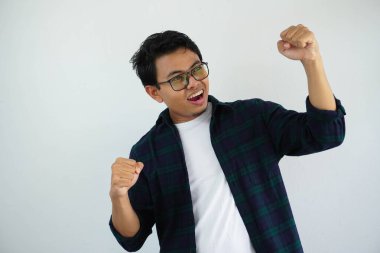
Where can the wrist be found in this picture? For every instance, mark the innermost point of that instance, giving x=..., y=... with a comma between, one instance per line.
x=117, y=198
x=312, y=63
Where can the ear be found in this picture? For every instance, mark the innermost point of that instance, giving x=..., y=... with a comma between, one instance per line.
x=154, y=92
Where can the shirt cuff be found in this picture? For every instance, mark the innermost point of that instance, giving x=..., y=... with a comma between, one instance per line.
x=319, y=114
x=123, y=239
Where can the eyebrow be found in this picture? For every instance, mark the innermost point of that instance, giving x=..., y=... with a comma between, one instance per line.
x=180, y=71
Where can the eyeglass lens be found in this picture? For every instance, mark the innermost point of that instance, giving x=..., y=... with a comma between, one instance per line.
x=199, y=73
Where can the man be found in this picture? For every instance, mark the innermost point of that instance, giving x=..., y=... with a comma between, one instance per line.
x=207, y=172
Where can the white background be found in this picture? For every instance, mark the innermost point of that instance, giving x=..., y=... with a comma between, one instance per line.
x=70, y=104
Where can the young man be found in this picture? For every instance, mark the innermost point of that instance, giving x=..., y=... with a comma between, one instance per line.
x=207, y=172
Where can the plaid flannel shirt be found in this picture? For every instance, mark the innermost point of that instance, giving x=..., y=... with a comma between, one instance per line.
x=249, y=138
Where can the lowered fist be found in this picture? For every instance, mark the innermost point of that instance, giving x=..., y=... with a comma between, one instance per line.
x=298, y=43
x=125, y=173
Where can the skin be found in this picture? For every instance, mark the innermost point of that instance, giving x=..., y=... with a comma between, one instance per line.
x=180, y=109
x=125, y=173
x=297, y=43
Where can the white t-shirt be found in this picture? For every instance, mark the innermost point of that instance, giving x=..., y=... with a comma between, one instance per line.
x=218, y=223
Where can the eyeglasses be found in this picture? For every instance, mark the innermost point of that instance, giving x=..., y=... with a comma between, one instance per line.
x=180, y=82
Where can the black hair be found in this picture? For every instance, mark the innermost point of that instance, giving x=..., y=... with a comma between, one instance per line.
x=156, y=45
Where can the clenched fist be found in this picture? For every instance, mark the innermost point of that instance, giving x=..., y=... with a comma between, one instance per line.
x=125, y=173
x=298, y=43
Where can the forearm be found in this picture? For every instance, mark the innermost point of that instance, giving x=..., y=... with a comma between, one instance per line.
x=320, y=93
x=124, y=218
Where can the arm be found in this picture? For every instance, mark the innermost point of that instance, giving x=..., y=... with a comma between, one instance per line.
x=322, y=126
x=294, y=133
x=320, y=93
x=124, y=218
x=132, y=216
x=137, y=214
x=299, y=43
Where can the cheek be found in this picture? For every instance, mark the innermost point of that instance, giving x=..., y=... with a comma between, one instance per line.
x=174, y=99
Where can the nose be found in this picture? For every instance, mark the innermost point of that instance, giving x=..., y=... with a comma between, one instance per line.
x=192, y=82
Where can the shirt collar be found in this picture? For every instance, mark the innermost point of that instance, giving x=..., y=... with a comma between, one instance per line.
x=164, y=116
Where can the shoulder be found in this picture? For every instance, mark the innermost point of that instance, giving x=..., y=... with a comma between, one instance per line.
x=252, y=102
x=158, y=134
x=251, y=105
x=142, y=145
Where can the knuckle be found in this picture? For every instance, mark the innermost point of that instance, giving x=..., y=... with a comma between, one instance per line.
x=119, y=159
x=127, y=174
x=114, y=178
x=114, y=183
x=124, y=160
x=114, y=164
x=115, y=168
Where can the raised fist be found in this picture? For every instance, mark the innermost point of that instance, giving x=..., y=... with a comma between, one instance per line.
x=125, y=173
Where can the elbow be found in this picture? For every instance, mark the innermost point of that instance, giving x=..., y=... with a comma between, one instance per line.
x=337, y=142
x=337, y=138
x=341, y=133
x=130, y=248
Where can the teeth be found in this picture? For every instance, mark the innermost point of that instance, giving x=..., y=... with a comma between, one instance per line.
x=196, y=94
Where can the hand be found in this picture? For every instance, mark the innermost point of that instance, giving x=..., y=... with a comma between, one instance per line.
x=125, y=173
x=298, y=43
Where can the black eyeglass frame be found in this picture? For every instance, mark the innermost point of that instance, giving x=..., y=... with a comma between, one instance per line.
x=190, y=72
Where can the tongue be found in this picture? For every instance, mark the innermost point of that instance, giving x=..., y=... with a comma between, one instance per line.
x=195, y=98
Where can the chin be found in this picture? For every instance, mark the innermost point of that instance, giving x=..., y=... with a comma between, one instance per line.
x=202, y=110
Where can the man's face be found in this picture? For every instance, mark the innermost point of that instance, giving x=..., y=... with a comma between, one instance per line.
x=181, y=109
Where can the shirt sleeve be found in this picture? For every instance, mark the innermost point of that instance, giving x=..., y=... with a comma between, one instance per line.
x=141, y=202
x=295, y=134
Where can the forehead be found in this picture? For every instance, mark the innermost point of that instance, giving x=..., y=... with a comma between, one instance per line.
x=180, y=60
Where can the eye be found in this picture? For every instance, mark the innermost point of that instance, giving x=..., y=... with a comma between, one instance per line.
x=197, y=68
x=178, y=78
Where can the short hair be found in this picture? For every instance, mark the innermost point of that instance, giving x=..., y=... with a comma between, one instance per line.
x=156, y=45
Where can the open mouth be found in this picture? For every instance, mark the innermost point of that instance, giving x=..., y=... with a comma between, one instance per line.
x=196, y=96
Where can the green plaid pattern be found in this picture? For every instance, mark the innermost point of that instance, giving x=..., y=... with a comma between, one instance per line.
x=249, y=138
